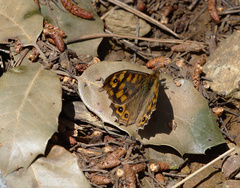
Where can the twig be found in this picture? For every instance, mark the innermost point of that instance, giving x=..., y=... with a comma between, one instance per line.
x=231, y=112
x=107, y=13
x=93, y=36
x=94, y=170
x=226, y=131
x=229, y=12
x=91, y=145
x=19, y=61
x=40, y=52
x=144, y=16
x=198, y=14
x=51, y=14
x=5, y=51
x=224, y=21
x=204, y=167
x=133, y=47
x=136, y=40
x=158, y=182
x=194, y=2
x=173, y=175
x=228, y=3
x=136, y=162
x=56, y=3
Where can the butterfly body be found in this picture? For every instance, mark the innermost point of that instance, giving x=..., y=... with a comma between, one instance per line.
x=133, y=95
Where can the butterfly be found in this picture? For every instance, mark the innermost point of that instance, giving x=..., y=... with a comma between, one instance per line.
x=133, y=96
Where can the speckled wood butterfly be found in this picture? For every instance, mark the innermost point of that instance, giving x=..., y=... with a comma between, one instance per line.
x=133, y=95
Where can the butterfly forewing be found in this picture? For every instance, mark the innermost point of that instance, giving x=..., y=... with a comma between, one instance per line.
x=123, y=85
x=133, y=95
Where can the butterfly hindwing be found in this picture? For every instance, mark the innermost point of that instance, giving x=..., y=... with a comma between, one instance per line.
x=152, y=103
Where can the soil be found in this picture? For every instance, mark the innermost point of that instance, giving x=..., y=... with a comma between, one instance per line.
x=197, y=23
x=117, y=160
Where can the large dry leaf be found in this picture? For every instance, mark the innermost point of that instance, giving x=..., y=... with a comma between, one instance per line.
x=196, y=128
x=20, y=18
x=75, y=26
x=77, y=111
x=3, y=183
x=90, y=82
x=59, y=169
x=30, y=102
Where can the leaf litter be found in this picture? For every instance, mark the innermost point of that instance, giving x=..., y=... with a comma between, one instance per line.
x=105, y=154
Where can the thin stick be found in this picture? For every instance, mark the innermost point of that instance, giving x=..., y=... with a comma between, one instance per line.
x=144, y=16
x=40, y=52
x=23, y=54
x=107, y=13
x=201, y=169
x=229, y=12
x=194, y=2
x=174, y=175
x=198, y=14
x=226, y=133
x=135, y=48
x=86, y=37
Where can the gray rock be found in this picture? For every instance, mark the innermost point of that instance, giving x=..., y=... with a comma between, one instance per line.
x=124, y=23
x=223, y=67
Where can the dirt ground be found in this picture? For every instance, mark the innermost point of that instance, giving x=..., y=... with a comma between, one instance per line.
x=205, y=23
x=176, y=38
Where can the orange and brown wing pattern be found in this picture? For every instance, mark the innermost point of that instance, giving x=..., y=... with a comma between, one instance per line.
x=121, y=86
x=151, y=102
x=133, y=95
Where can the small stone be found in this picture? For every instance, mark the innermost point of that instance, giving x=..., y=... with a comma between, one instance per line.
x=231, y=166
x=186, y=170
x=124, y=23
x=231, y=184
x=223, y=67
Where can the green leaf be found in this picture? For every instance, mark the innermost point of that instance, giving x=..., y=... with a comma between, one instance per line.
x=30, y=102
x=196, y=128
